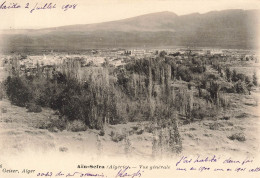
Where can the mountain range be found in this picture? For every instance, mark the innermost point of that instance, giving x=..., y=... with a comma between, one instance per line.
x=220, y=29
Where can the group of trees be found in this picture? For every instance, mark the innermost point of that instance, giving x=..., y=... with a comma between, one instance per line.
x=87, y=101
x=141, y=90
x=240, y=83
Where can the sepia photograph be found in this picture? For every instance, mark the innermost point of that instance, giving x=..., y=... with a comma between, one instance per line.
x=119, y=88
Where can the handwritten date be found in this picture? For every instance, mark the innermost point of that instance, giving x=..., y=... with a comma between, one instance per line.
x=33, y=7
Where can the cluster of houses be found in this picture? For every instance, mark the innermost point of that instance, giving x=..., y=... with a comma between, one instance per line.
x=29, y=65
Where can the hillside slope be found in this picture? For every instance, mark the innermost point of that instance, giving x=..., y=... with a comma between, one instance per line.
x=224, y=29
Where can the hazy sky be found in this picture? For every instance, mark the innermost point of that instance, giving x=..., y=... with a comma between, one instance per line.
x=94, y=11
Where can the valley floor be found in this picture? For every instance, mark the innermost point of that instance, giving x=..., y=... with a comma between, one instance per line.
x=20, y=132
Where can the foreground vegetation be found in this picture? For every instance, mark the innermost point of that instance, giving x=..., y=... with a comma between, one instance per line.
x=162, y=90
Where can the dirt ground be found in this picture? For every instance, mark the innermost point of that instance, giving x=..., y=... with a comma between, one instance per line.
x=20, y=132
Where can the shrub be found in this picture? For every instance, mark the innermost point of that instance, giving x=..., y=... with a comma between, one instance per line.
x=238, y=136
x=225, y=118
x=63, y=149
x=139, y=132
x=198, y=114
x=102, y=132
x=241, y=88
x=60, y=124
x=212, y=77
x=228, y=87
x=117, y=137
x=44, y=92
x=162, y=53
x=112, y=134
x=53, y=124
x=183, y=73
x=32, y=107
x=201, y=113
x=242, y=115
x=76, y=126
x=17, y=91
x=241, y=77
x=198, y=69
x=135, y=128
x=215, y=126
x=149, y=128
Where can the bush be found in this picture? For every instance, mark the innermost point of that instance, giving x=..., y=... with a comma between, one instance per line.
x=116, y=137
x=17, y=91
x=201, y=113
x=238, y=136
x=212, y=77
x=76, y=126
x=139, y=132
x=60, y=124
x=198, y=114
x=162, y=53
x=44, y=91
x=242, y=115
x=53, y=125
x=198, y=69
x=32, y=107
x=225, y=118
x=102, y=132
x=241, y=88
x=183, y=73
x=241, y=77
x=63, y=149
x=228, y=87
x=215, y=126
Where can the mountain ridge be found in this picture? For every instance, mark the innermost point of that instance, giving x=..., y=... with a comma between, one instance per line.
x=226, y=29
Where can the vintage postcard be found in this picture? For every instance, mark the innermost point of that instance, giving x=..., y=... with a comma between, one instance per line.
x=129, y=88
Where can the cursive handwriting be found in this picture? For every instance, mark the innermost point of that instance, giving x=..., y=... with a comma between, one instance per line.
x=84, y=174
x=205, y=160
x=69, y=6
x=186, y=160
x=12, y=5
x=232, y=161
x=205, y=164
x=33, y=7
x=45, y=6
x=78, y=174
x=123, y=173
